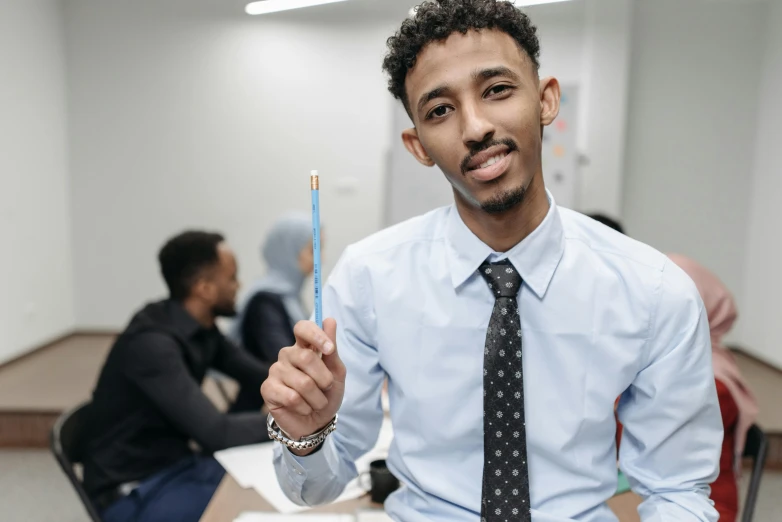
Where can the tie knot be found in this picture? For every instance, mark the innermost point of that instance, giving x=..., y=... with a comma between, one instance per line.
x=503, y=279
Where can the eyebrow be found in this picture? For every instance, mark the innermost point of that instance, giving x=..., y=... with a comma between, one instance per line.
x=493, y=72
x=431, y=95
x=477, y=76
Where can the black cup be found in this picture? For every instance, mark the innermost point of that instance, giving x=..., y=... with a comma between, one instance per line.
x=382, y=481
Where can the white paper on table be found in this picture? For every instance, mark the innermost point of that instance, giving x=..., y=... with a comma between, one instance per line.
x=277, y=517
x=240, y=463
x=372, y=515
x=265, y=482
x=253, y=467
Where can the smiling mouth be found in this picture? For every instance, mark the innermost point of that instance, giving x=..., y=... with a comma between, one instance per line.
x=491, y=161
x=492, y=168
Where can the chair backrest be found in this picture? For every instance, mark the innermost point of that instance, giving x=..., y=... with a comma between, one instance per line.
x=756, y=448
x=67, y=446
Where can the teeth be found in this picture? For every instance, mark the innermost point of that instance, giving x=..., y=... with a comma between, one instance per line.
x=492, y=161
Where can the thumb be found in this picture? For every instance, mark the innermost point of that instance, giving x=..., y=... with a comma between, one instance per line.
x=331, y=359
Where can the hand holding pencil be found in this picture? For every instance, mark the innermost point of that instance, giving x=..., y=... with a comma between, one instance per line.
x=306, y=385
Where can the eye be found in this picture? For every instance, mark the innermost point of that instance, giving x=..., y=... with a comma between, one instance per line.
x=439, y=112
x=498, y=90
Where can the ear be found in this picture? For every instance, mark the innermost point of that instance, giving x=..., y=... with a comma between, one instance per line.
x=203, y=289
x=415, y=147
x=550, y=94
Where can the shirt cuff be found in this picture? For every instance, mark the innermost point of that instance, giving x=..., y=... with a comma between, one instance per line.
x=298, y=470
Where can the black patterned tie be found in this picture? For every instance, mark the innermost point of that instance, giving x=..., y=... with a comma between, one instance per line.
x=505, y=479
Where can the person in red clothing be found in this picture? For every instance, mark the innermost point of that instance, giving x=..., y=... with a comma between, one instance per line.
x=738, y=404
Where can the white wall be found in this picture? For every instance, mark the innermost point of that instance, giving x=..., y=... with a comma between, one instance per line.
x=603, y=106
x=761, y=315
x=561, y=43
x=37, y=293
x=182, y=118
x=587, y=43
x=691, y=130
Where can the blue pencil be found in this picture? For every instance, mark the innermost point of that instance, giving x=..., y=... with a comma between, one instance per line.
x=315, y=189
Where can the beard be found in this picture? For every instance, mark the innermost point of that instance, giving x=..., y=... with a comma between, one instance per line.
x=504, y=201
x=224, y=310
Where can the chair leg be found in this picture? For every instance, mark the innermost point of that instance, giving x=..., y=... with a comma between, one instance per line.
x=223, y=392
x=754, y=483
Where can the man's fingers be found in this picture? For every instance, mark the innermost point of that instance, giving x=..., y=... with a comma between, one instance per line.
x=308, y=362
x=308, y=335
x=330, y=329
x=307, y=389
x=331, y=359
x=279, y=396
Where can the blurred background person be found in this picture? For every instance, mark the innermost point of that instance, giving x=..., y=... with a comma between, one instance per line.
x=148, y=405
x=607, y=221
x=273, y=304
x=737, y=402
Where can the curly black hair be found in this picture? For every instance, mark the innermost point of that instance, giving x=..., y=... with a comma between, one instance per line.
x=184, y=258
x=436, y=20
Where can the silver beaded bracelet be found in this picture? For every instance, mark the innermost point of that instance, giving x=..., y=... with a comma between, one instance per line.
x=308, y=442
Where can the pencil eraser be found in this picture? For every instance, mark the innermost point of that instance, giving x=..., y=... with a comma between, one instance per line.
x=313, y=173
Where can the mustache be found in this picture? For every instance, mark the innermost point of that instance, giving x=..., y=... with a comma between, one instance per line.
x=508, y=142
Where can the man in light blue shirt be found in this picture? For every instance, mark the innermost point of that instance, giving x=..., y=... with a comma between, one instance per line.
x=597, y=316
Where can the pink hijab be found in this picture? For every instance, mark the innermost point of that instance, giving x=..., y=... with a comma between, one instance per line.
x=721, y=311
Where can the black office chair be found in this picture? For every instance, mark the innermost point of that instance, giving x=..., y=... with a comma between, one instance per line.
x=66, y=440
x=755, y=448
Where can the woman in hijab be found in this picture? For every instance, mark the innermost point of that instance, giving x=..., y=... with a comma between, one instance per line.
x=272, y=305
x=738, y=404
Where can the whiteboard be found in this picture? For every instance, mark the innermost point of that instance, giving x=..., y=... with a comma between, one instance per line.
x=559, y=154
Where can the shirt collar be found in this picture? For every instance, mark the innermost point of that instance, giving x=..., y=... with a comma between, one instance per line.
x=182, y=321
x=535, y=258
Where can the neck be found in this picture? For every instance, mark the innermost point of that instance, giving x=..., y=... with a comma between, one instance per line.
x=290, y=280
x=503, y=231
x=199, y=312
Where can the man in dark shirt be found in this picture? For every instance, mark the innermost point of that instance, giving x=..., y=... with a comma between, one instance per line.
x=148, y=407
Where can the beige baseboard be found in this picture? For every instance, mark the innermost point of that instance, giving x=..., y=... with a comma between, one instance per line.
x=26, y=430
x=755, y=357
x=57, y=339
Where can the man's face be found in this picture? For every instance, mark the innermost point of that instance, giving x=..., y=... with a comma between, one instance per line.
x=223, y=280
x=478, y=109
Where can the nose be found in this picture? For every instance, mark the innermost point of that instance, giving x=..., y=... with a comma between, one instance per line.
x=476, y=127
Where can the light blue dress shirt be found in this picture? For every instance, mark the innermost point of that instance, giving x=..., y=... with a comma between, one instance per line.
x=602, y=315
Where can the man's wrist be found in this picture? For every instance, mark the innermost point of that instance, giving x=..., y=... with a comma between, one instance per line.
x=304, y=445
x=306, y=452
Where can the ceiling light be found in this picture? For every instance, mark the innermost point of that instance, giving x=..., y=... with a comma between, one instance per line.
x=274, y=6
